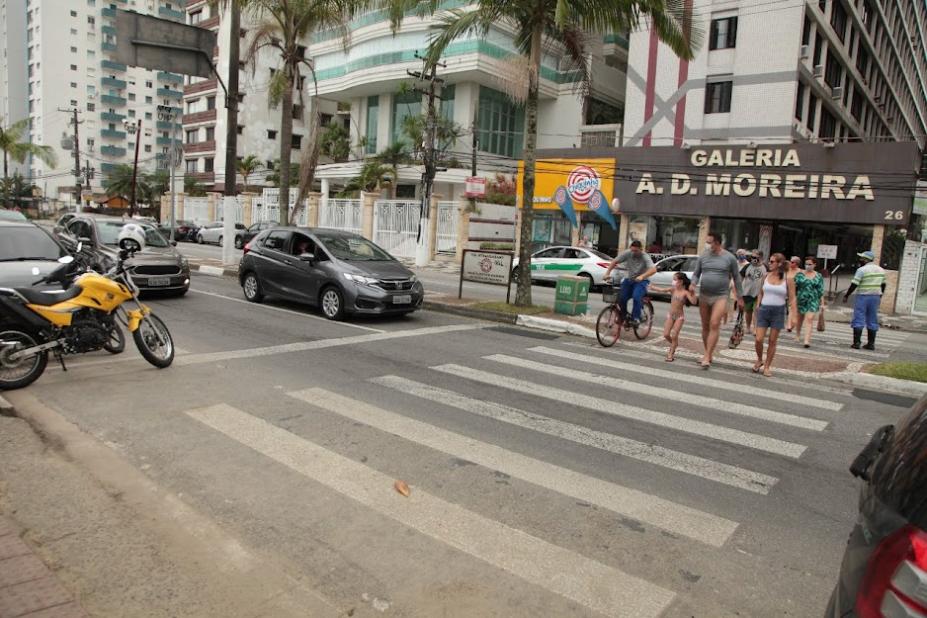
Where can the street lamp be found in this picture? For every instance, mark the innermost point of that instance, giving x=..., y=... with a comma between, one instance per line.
x=133, y=129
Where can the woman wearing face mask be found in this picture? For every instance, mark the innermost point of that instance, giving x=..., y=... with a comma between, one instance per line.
x=809, y=290
x=778, y=291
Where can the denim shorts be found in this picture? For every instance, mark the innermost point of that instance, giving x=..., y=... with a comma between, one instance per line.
x=770, y=316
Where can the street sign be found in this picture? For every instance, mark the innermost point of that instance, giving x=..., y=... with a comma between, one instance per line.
x=492, y=267
x=475, y=186
x=162, y=44
x=827, y=252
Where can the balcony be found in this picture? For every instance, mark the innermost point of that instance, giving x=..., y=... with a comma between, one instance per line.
x=110, y=134
x=113, y=66
x=164, y=141
x=170, y=14
x=112, y=151
x=203, y=86
x=112, y=101
x=210, y=23
x=164, y=76
x=108, y=168
x=108, y=30
x=203, y=177
x=199, y=117
x=606, y=135
x=109, y=12
x=112, y=82
x=167, y=92
x=209, y=146
x=108, y=46
x=111, y=117
x=164, y=125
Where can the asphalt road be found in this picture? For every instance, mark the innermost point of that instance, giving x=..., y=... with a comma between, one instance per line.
x=547, y=476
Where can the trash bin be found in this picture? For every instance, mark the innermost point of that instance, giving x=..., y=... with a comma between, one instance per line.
x=571, y=296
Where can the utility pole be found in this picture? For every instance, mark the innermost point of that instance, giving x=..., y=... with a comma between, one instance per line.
x=474, y=147
x=231, y=137
x=428, y=74
x=78, y=185
x=138, y=140
x=166, y=114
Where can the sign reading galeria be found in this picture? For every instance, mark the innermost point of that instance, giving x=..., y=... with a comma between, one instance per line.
x=849, y=183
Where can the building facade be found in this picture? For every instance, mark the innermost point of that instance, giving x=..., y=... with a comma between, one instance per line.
x=70, y=66
x=13, y=106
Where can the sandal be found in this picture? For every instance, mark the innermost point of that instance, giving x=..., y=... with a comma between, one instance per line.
x=757, y=367
x=767, y=374
x=670, y=358
x=706, y=365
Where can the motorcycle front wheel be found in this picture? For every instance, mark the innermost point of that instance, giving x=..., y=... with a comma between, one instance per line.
x=154, y=341
x=116, y=343
x=24, y=371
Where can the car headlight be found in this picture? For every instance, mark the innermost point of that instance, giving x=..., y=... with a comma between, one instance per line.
x=184, y=263
x=361, y=279
x=413, y=278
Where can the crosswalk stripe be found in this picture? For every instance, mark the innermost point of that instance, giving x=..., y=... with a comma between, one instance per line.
x=636, y=413
x=741, y=389
x=819, y=348
x=664, y=393
x=588, y=582
x=619, y=445
x=664, y=514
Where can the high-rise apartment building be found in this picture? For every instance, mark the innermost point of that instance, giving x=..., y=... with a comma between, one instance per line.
x=70, y=65
x=777, y=72
x=12, y=68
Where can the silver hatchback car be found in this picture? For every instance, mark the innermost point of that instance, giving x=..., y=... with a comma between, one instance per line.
x=884, y=569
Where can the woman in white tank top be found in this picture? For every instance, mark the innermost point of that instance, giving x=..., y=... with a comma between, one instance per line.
x=777, y=292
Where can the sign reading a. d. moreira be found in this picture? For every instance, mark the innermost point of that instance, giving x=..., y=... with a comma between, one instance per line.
x=863, y=183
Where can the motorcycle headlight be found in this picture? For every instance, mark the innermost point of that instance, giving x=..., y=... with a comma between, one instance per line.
x=360, y=279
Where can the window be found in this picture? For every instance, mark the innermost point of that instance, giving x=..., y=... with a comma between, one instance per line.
x=73, y=102
x=190, y=166
x=196, y=17
x=210, y=133
x=194, y=106
x=500, y=124
x=73, y=50
x=856, y=108
x=73, y=67
x=73, y=13
x=833, y=72
x=132, y=97
x=241, y=129
x=277, y=240
x=210, y=103
x=723, y=33
x=147, y=147
x=91, y=21
x=74, y=31
x=800, y=102
x=148, y=100
x=447, y=101
x=862, y=60
x=812, y=112
x=271, y=134
x=91, y=107
x=210, y=162
x=148, y=85
x=297, y=142
x=373, y=121
x=298, y=114
x=405, y=105
x=73, y=85
x=301, y=51
x=818, y=48
x=838, y=19
x=806, y=31
x=193, y=136
x=241, y=99
x=718, y=97
x=828, y=125
x=147, y=115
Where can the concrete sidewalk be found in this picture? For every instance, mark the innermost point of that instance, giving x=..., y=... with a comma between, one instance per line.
x=27, y=587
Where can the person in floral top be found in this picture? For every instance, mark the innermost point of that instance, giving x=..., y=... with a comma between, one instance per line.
x=809, y=289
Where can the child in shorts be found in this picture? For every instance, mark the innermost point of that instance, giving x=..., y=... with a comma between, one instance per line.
x=680, y=298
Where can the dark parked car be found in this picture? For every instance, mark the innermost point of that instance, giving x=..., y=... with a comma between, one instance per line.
x=884, y=569
x=341, y=272
x=62, y=221
x=182, y=230
x=25, y=246
x=243, y=237
x=159, y=267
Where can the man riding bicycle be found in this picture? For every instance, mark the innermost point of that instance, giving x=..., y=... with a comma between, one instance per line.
x=640, y=268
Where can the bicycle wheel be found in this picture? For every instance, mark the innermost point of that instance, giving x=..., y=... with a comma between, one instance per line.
x=607, y=325
x=642, y=329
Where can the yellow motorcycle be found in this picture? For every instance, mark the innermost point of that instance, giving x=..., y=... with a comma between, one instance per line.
x=81, y=318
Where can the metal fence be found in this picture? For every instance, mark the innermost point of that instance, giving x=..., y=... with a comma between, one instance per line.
x=395, y=226
x=341, y=215
x=447, y=227
x=196, y=209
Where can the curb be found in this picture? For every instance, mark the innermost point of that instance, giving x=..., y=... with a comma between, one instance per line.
x=469, y=312
x=554, y=326
x=893, y=386
x=6, y=408
x=213, y=271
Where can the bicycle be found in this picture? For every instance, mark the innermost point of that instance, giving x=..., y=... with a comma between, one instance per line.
x=612, y=318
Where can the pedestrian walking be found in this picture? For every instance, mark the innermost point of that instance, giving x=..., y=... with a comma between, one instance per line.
x=753, y=275
x=714, y=272
x=741, y=255
x=869, y=285
x=777, y=292
x=680, y=297
x=640, y=268
x=585, y=243
x=792, y=269
x=809, y=294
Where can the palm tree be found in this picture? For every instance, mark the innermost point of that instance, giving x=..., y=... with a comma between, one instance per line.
x=154, y=185
x=391, y=158
x=273, y=175
x=564, y=23
x=373, y=176
x=193, y=187
x=248, y=166
x=286, y=25
x=119, y=182
x=15, y=191
x=14, y=148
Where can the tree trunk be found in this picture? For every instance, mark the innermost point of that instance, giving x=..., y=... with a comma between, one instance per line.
x=523, y=291
x=286, y=146
x=309, y=157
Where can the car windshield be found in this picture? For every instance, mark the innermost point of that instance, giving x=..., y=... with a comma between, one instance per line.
x=599, y=254
x=354, y=249
x=27, y=243
x=109, y=233
x=12, y=215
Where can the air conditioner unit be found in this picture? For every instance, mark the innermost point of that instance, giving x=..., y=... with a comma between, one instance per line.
x=804, y=52
x=836, y=92
x=818, y=70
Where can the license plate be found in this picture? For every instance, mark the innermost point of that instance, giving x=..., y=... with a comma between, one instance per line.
x=402, y=300
x=159, y=281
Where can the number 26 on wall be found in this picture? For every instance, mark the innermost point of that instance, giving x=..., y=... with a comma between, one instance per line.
x=894, y=215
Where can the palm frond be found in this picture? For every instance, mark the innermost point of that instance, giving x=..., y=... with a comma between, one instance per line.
x=456, y=24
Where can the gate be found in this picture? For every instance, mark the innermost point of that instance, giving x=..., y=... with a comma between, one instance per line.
x=341, y=215
x=395, y=226
x=447, y=227
x=196, y=209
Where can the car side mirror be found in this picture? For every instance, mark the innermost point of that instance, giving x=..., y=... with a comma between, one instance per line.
x=85, y=240
x=307, y=257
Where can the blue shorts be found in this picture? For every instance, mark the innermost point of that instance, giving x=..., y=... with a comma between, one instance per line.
x=770, y=316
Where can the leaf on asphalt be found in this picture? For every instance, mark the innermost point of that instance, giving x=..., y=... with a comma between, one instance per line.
x=402, y=488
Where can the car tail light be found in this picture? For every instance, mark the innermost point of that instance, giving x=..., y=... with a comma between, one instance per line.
x=247, y=247
x=602, y=264
x=895, y=582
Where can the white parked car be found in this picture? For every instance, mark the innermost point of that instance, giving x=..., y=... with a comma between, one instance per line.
x=667, y=269
x=212, y=232
x=552, y=262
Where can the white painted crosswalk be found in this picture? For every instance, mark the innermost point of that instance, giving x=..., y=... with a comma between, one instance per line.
x=549, y=383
